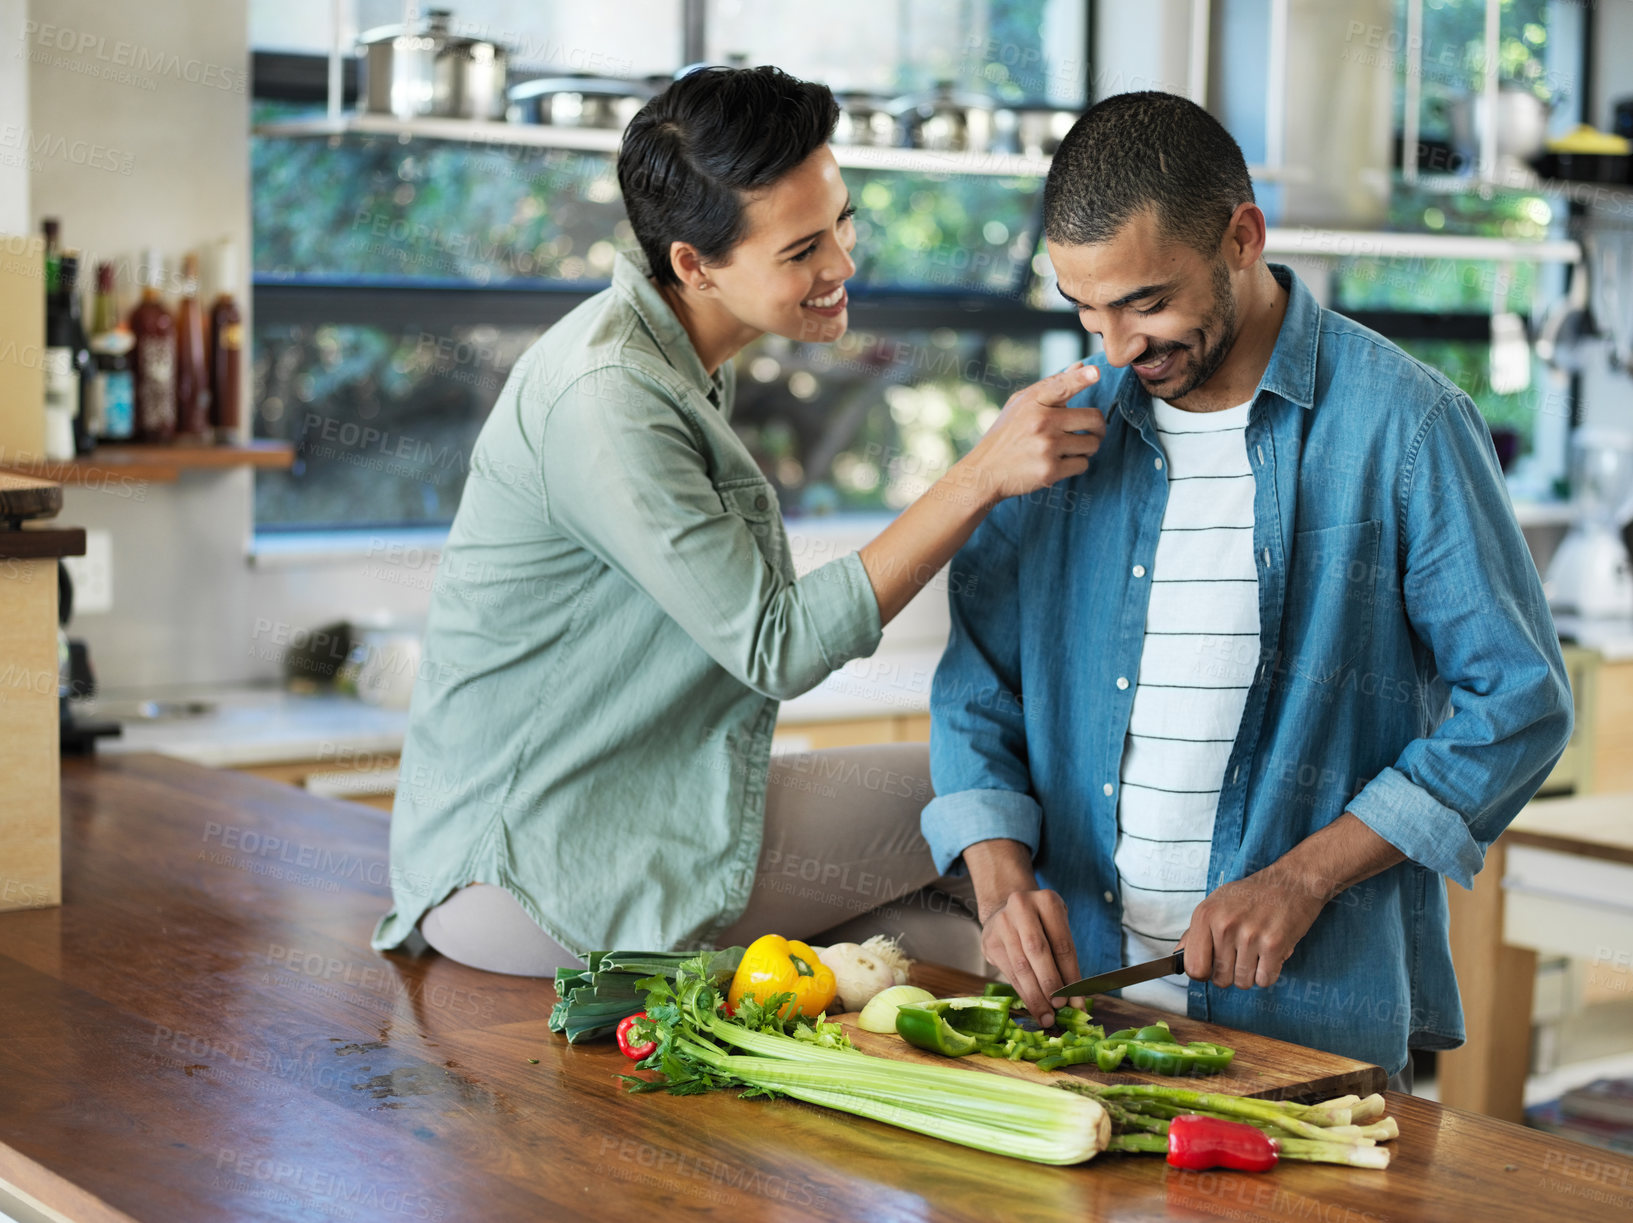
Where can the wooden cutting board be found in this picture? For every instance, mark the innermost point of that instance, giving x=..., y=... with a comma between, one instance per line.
x=1263, y=1067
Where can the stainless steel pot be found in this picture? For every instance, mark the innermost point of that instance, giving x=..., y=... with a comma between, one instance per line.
x=1032, y=131
x=578, y=101
x=865, y=119
x=946, y=120
x=428, y=70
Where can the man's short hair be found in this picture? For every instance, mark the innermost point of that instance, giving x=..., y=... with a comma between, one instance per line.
x=1138, y=151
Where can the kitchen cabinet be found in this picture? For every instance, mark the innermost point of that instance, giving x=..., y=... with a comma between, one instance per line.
x=1496, y=935
x=1612, y=730
x=854, y=732
x=371, y=778
x=1577, y=764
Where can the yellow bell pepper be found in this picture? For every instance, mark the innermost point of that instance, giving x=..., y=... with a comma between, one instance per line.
x=773, y=965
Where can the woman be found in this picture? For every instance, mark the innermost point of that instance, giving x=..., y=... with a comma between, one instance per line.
x=616, y=614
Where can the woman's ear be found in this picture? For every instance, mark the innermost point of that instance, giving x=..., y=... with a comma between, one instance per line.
x=688, y=266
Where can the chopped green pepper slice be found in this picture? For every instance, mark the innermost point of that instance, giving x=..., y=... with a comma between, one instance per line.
x=924, y=1028
x=1109, y=1054
x=1157, y=1032
x=979, y=1016
x=999, y=989
x=1198, y=1057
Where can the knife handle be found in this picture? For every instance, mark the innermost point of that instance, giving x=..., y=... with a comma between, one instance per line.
x=1179, y=960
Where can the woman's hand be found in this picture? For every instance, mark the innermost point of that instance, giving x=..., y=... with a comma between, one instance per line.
x=1036, y=440
x=1033, y=443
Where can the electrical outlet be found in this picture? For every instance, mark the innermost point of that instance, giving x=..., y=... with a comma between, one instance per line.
x=92, y=574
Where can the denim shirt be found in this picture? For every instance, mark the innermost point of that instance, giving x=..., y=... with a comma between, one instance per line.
x=1410, y=673
x=614, y=619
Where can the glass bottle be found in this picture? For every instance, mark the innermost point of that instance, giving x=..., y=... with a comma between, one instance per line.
x=192, y=376
x=113, y=387
x=154, y=328
x=226, y=344
x=61, y=374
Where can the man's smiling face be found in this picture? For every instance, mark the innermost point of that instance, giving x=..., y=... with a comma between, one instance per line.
x=1158, y=305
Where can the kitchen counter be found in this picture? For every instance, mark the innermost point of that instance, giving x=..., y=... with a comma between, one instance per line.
x=250, y=726
x=255, y=726
x=200, y=1033
x=1611, y=639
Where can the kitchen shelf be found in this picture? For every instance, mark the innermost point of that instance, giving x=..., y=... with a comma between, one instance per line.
x=158, y=464
x=1615, y=194
x=1314, y=242
x=471, y=131
x=606, y=140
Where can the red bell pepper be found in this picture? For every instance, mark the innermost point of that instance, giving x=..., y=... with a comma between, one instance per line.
x=629, y=1043
x=1199, y=1143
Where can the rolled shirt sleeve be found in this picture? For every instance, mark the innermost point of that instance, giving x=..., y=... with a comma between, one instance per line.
x=1473, y=596
x=978, y=759
x=628, y=480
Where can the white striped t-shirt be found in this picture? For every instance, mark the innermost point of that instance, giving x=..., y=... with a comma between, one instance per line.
x=1200, y=653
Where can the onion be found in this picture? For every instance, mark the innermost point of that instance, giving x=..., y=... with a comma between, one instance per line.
x=879, y=1015
x=859, y=972
x=890, y=951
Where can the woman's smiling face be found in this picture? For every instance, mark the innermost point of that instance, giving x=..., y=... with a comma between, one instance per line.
x=787, y=276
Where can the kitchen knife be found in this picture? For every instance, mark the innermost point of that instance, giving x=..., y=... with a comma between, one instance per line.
x=1133, y=974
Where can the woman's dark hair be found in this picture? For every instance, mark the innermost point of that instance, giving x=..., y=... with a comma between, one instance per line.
x=1138, y=151
x=691, y=154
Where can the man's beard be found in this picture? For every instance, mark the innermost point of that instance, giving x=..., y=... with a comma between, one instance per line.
x=1221, y=316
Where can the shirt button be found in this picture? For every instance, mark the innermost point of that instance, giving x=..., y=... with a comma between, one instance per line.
x=1159, y=464
x=760, y=502
x=1106, y=789
x=1139, y=571
x=1267, y=558
x=1122, y=682
x=1107, y=897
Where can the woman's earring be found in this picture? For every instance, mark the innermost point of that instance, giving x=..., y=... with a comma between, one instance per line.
x=702, y=284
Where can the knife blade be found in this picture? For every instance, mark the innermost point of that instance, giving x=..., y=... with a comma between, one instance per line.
x=1131, y=974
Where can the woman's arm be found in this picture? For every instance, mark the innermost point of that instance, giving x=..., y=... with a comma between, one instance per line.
x=1035, y=442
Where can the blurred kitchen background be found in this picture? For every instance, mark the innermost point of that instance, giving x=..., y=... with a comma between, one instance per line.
x=1453, y=173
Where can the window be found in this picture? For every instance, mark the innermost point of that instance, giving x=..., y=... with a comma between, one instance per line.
x=397, y=281
x=1016, y=50
x=1439, y=309
x=1528, y=407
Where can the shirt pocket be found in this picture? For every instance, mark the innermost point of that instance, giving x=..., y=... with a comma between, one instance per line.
x=755, y=502
x=1331, y=595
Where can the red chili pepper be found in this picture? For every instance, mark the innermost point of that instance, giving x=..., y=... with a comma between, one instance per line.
x=629, y=1043
x=1199, y=1143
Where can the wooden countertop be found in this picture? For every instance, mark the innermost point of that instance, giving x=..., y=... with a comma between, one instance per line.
x=1596, y=825
x=201, y=1033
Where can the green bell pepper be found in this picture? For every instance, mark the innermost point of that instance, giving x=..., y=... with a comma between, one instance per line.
x=953, y=1027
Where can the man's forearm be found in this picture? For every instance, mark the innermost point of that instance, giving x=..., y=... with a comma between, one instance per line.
x=998, y=868
x=1335, y=858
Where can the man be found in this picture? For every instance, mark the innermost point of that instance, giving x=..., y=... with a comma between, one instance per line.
x=1272, y=666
